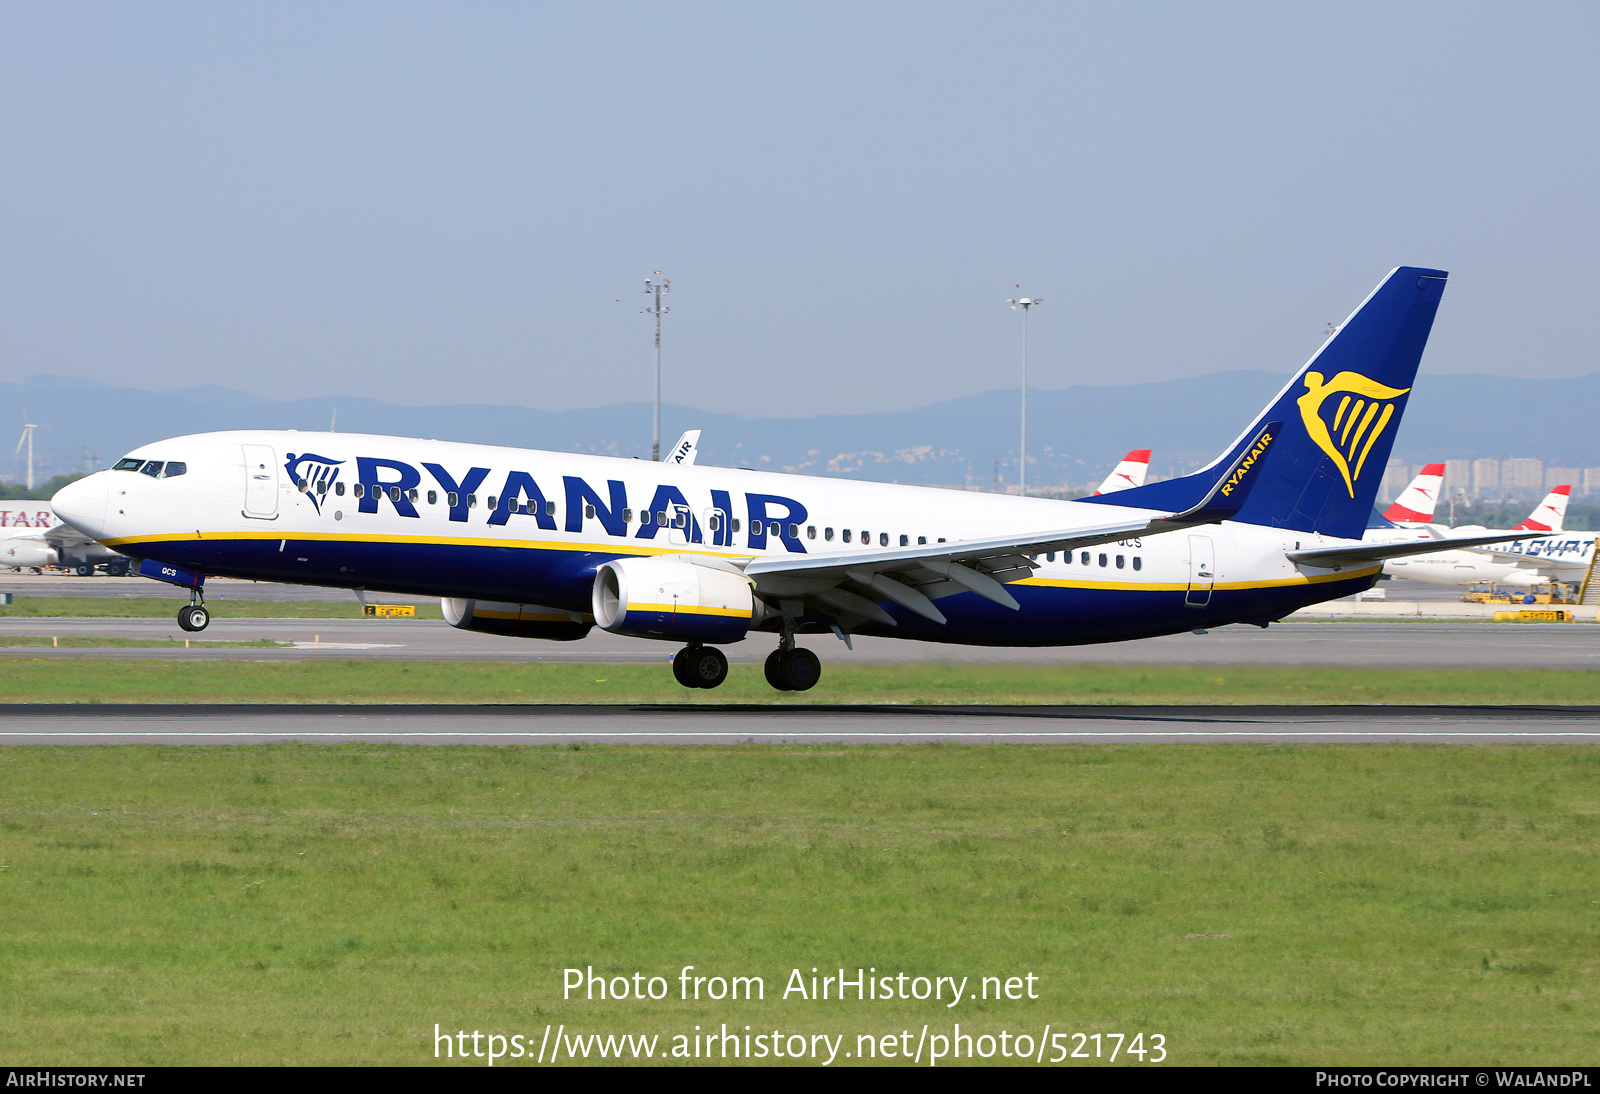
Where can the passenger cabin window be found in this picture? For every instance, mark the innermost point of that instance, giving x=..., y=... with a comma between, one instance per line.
x=127, y=465
x=1102, y=560
x=905, y=541
x=1084, y=558
x=794, y=531
x=549, y=508
x=883, y=539
x=338, y=488
x=847, y=535
x=1138, y=564
x=452, y=499
x=588, y=511
x=472, y=501
x=359, y=490
x=735, y=524
x=153, y=469
x=492, y=500
x=1066, y=557
x=811, y=531
x=827, y=534
x=413, y=495
x=174, y=469
x=433, y=497
x=644, y=517
x=1051, y=557
x=627, y=516
x=1119, y=562
x=714, y=522
x=922, y=541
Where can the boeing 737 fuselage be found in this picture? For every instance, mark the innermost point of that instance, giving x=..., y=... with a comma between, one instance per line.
x=549, y=544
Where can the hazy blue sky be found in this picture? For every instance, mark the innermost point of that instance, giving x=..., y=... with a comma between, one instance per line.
x=458, y=202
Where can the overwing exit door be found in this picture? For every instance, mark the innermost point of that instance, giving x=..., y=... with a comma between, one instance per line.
x=1202, y=572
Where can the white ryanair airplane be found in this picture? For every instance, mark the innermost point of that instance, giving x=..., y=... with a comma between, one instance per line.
x=549, y=544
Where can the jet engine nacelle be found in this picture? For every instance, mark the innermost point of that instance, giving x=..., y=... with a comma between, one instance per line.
x=515, y=620
x=672, y=599
x=25, y=553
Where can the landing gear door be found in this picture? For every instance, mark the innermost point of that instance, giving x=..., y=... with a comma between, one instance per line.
x=1202, y=572
x=260, y=482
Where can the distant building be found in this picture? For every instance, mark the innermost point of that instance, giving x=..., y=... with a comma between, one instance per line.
x=1457, y=477
x=1486, y=478
x=1522, y=475
x=1591, y=482
x=1556, y=476
x=1396, y=477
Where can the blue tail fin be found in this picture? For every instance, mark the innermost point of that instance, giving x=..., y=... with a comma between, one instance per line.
x=1340, y=414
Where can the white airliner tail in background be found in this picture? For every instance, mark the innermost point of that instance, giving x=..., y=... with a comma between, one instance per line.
x=1129, y=473
x=1416, y=502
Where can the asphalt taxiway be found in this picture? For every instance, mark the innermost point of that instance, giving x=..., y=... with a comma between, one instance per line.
x=196, y=725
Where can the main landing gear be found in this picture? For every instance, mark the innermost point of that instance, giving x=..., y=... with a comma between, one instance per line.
x=793, y=669
x=700, y=667
x=193, y=616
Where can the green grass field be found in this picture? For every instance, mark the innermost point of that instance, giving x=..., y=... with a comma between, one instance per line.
x=157, y=607
x=346, y=680
x=1252, y=904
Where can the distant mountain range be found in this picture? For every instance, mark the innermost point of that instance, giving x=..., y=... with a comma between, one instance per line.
x=1075, y=434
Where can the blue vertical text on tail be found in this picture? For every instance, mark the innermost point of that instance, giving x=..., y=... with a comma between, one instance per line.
x=1340, y=414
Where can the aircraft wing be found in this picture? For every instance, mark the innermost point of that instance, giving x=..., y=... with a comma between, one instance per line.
x=1378, y=552
x=914, y=577
x=65, y=535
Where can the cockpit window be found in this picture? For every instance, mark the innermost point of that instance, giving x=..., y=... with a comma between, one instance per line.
x=127, y=465
x=174, y=469
x=153, y=469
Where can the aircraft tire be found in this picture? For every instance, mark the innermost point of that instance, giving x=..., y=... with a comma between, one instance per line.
x=774, y=670
x=708, y=667
x=800, y=669
x=681, y=668
x=85, y=570
x=194, y=617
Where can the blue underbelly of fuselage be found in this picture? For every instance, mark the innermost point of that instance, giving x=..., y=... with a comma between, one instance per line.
x=1050, y=615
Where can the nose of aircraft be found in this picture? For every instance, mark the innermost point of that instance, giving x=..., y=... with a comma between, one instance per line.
x=82, y=504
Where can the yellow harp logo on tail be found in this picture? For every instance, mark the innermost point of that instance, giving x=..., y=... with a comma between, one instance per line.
x=1346, y=428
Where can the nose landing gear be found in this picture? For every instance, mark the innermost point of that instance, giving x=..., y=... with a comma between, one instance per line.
x=700, y=667
x=193, y=616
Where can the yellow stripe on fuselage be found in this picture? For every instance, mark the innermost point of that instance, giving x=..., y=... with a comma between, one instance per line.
x=1180, y=586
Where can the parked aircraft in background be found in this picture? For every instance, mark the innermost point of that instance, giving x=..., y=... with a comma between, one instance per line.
x=33, y=538
x=1416, y=502
x=1503, y=561
x=1129, y=473
x=549, y=544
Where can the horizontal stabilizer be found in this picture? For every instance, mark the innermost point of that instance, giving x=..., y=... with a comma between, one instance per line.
x=1378, y=552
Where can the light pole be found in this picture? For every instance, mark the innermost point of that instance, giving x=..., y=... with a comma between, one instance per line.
x=1025, y=303
x=656, y=288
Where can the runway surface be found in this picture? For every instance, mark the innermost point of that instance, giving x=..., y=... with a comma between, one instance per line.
x=1393, y=643
x=558, y=725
